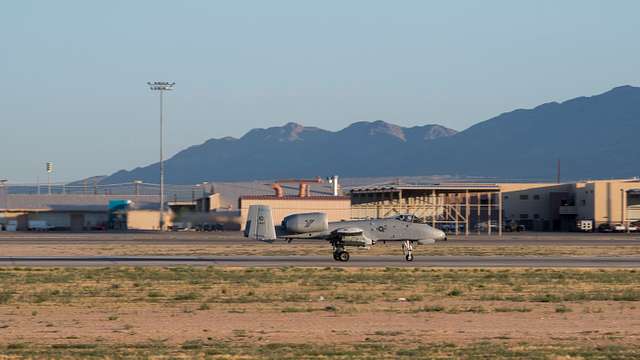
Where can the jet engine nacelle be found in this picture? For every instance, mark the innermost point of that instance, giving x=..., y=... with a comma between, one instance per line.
x=306, y=223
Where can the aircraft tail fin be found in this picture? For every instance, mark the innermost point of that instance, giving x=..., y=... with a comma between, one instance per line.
x=259, y=224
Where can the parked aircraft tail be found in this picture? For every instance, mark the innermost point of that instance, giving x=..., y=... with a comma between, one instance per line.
x=260, y=223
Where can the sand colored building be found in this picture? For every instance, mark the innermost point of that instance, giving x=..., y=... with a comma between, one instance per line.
x=557, y=207
x=147, y=219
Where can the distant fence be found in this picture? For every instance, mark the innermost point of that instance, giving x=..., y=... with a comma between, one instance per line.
x=172, y=192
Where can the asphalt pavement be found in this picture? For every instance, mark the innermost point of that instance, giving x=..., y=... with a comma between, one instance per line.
x=323, y=261
x=236, y=238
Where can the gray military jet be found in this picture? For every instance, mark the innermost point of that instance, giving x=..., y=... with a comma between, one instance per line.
x=357, y=233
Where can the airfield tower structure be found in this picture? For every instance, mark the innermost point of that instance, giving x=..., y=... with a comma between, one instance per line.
x=161, y=87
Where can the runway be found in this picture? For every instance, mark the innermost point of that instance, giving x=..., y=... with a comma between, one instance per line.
x=234, y=238
x=323, y=261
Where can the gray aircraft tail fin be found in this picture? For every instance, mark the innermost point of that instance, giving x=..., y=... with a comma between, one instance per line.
x=260, y=223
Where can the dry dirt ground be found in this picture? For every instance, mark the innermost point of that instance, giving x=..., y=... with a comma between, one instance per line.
x=319, y=313
x=131, y=324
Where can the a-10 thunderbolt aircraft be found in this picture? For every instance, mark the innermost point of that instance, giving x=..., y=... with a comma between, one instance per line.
x=343, y=234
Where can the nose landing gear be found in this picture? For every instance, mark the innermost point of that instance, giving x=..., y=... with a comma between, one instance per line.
x=407, y=250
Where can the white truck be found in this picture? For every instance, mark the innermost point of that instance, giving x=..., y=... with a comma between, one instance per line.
x=38, y=225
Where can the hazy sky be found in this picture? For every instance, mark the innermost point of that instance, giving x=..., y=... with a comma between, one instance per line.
x=74, y=73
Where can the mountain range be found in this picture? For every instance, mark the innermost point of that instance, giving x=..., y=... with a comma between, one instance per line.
x=593, y=137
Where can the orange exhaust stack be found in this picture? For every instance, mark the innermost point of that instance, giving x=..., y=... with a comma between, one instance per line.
x=303, y=191
x=278, y=188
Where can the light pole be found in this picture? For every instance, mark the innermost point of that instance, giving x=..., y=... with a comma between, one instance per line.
x=4, y=193
x=49, y=171
x=161, y=87
x=137, y=184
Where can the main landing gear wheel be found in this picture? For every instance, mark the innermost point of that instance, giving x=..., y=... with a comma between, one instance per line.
x=341, y=256
x=344, y=256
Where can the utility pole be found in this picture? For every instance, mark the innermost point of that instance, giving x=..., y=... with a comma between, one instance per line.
x=558, y=172
x=161, y=87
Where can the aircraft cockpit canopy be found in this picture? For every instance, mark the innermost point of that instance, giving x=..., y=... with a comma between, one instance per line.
x=409, y=218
